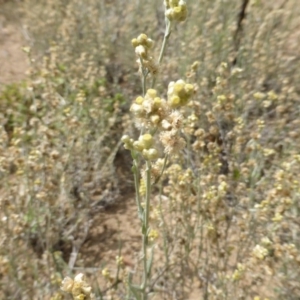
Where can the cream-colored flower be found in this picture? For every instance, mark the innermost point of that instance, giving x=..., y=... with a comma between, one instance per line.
x=67, y=284
x=172, y=142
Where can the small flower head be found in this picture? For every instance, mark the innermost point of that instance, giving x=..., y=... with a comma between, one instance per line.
x=128, y=142
x=175, y=119
x=78, y=287
x=259, y=252
x=151, y=93
x=67, y=284
x=149, y=111
x=120, y=261
x=142, y=40
x=142, y=44
x=259, y=95
x=136, y=109
x=150, y=154
x=176, y=10
x=172, y=142
x=179, y=93
x=105, y=273
x=153, y=235
x=146, y=140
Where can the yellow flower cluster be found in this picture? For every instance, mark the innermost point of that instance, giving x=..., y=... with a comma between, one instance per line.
x=176, y=10
x=78, y=287
x=179, y=93
x=239, y=272
x=153, y=113
x=149, y=111
x=142, y=45
x=260, y=252
x=142, y=145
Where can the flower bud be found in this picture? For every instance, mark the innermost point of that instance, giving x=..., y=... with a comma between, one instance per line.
x=134, y=43
x=179, y=93
x=176, y=11
x=150, y=154
x=189, y=89
x=139, y=100
x=195, y=65
x=152, y=93
x=125, y=139
x=128, y=142
x=142, y=39
x=174, y=101
x=174, y=3
x=149, y=43
x=147, y=140
x=155, y=119
x=138, y=146
x=178, y=86
x=157, y=102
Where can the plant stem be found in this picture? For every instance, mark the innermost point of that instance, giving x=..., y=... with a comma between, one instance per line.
x=136, y=186
x=166, y=37
x=144, y=77
x=163, y=47
x=146, y=230
x=162, y=170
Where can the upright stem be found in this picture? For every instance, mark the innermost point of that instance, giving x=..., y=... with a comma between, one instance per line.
x=136, y=185
x=146, y=230
x=148, y=194
x=163, y=47
x=166, y=37
x=144, y=77
x=144, y=213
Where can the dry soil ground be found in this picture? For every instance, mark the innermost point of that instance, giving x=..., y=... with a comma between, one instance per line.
x=13, y=61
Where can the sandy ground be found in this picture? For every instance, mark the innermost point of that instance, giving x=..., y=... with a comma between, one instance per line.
x=13, y=61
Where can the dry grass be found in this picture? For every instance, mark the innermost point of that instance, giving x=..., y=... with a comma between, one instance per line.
x=226, y=209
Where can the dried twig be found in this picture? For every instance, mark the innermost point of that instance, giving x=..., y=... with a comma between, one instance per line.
x=239, y=28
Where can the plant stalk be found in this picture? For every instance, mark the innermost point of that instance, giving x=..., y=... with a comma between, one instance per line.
x=146, y=230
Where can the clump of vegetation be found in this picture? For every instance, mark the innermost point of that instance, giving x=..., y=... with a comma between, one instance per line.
x=214, y=144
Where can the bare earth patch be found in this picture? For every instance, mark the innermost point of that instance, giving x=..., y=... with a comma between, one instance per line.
x=13, y=62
